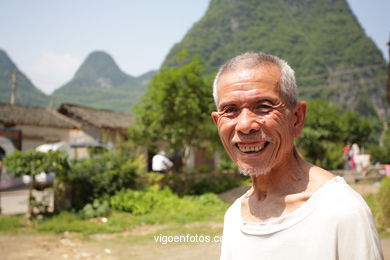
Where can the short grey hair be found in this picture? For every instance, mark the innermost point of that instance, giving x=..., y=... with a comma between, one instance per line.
x=287, y=84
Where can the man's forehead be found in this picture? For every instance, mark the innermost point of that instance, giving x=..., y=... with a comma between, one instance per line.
x=266, y=73
x=248, y=79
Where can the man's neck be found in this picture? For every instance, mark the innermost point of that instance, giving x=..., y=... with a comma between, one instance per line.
x=282, y=190
x=291, y=177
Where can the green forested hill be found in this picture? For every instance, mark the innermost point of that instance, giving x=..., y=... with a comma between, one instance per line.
x=26, y=92
x=321, y=39
x=100, y=83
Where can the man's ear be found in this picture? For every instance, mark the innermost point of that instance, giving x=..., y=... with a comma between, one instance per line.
x=299, y=117
x=214, y=116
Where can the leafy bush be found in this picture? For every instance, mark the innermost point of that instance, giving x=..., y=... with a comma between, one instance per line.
x=139, y=202
x=216, y=184
x=380, y=206
x=31, y=163
x=156, y=206
x=383, y=202
x=99, y=208
x=192, y=183
x=379, y=154
x=105, y=174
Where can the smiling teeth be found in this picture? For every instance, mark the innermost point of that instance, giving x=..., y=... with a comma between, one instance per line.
x=247, y=149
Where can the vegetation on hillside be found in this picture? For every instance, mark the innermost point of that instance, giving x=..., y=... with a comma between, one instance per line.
x=322, y=40
x=26, y=92
x=100, y=83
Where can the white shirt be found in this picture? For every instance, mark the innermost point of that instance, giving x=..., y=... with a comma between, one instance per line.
x=161, y=163
x=335, y=223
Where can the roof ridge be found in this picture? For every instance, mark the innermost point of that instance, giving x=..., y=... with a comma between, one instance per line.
x=63, y=117
x=94, y=109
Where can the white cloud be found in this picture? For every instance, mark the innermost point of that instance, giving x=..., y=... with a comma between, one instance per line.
x=52, y=70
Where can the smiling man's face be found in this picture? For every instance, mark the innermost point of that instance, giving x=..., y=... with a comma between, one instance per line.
x=255, y=125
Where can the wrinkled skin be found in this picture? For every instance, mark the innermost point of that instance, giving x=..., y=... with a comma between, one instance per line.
x=257, y=129
x=252, y=113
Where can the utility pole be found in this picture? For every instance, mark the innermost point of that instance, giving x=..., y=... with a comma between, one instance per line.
x=13, y=87
x=388, y=76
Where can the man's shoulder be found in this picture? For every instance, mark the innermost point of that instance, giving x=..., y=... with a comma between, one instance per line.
x=339, y=199
x=234, y=210
x=335, y=190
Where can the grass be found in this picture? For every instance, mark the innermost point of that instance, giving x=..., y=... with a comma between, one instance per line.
x=167, y=208
x=380, y=207
x=12, y=224
x=70, y=222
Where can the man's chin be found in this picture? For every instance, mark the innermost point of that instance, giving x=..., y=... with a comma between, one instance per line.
x=254, y=172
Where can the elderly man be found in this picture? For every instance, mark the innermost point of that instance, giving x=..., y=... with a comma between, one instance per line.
x=294, y=210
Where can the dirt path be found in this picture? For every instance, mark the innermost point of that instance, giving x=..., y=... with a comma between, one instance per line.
x=119, y=246
x=15, y=247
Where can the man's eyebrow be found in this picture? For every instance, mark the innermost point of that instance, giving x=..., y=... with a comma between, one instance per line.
x=265, y=100
x=225, y=104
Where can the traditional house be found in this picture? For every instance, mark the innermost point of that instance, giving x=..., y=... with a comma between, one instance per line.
x=28, y=127
x=73, y=128
x=98, y=127
x=80, y=127
x=100, y=124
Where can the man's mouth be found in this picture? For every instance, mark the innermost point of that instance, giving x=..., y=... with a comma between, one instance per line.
x=251, y=148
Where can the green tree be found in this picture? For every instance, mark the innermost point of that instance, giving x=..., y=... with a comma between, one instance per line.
x=32, y=163
x=176, y=108
x=321, y=138
x=327, y=129
x=356, y=129
x=104, y=174
x=381, y=153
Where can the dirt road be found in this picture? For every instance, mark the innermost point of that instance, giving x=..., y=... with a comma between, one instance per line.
x=118, y=247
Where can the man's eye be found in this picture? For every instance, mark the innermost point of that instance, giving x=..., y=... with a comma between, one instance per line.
x=230, y=110
x=263, y=109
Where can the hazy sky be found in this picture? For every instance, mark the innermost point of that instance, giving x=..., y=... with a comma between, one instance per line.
x=48, y=40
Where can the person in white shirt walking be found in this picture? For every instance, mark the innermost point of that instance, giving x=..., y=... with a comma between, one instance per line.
x=161, y=163
x=294, y=210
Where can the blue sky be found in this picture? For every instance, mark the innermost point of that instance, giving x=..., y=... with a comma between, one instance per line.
x=48, y=40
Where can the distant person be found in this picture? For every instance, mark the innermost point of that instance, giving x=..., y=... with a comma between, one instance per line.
x=294, y=210
x=1, y=167
x=161, y=163
x=354, y=154
x=346, y=156
x=2, y=156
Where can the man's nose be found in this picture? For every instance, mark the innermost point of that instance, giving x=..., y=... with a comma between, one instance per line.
x=247, y=122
